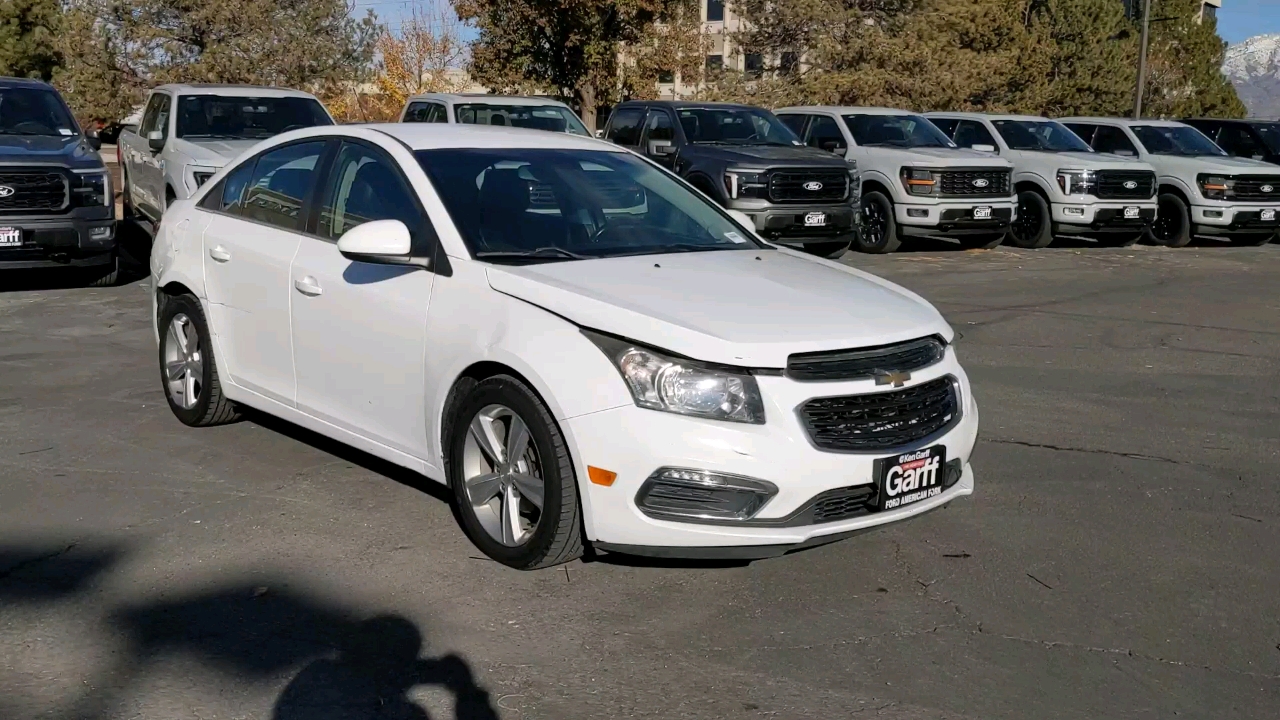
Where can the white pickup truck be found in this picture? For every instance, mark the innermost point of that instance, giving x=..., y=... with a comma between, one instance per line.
x=188, y=132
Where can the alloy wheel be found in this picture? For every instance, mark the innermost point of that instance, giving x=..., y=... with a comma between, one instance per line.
x=183, y=362
x=875, y=224
x=1168, y=223
x=1029, y=223
x=502, y=475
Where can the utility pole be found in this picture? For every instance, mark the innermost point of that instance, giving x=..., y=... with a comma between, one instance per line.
x=1142, y=59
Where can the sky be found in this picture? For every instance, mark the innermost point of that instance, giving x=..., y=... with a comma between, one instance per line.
x=1237, y=20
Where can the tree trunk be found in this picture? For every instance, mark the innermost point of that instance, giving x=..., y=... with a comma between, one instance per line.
x=587, y=104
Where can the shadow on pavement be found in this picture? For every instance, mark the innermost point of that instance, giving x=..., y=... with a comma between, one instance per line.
x=44, y=573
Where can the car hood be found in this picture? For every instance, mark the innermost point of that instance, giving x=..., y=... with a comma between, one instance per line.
x=213, y=153
x=69, y=150
x=734, y=307
x=1227, y=165
x=940, y=157
x=1087, y=160
x=769, y=154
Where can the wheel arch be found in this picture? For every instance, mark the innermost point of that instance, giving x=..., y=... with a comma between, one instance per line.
x=870, y=185
x=1033, y=184
x=1167, y=188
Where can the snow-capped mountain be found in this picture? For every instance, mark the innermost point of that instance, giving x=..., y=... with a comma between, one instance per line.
x=1253, y=66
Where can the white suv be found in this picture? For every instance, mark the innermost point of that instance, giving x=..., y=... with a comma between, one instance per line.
x=1204, y=192
x=915, y=181
x=1064, y=187
x=535, y=113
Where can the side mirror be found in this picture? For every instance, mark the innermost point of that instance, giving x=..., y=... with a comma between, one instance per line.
x=983, y=148
x=94, y=140
x=155, y=140
x=833, y=146
x=743, y=219
x=662, y=148
x=381, y=242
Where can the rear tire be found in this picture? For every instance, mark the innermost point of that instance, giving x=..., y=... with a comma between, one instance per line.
x=1172, y=227
x=496, y=495
x=188, y=369
x=879, y=226
x=982, y=242
x=1034, y=227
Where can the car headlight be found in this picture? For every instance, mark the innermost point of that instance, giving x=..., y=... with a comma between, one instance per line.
x=659, y=381
x=855, y=183
x=742, y=183
x=1077, y=182
x=1217, y=187
x=920, y=181
x=92, y=189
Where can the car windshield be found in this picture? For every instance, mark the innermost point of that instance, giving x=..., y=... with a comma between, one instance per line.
x=1039, y=136
x=1270, y=133
x=34, y=111
x=1182, y=140
x=908, y=131
x=536, y=117
x=544, y=205
x=246, y=118
x=735, y=126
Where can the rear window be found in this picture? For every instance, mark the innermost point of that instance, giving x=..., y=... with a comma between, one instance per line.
x=552, y=118
x=246, y=118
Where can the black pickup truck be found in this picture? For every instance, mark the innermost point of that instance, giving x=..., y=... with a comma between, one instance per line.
x=747, y=160
x=57, y=209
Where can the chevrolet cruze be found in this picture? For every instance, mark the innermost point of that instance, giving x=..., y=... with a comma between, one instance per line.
x=587, y=351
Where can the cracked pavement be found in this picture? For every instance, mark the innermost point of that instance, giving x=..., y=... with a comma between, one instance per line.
x=1118, y=560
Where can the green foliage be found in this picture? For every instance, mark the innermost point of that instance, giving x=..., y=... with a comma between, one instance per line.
x=115, y=50
x=28, y=29
x=1185, y=60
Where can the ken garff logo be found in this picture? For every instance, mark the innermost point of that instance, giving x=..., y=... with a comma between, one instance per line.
x=892, y=377
x=1130, y=185
x=813, y=186
x=981, y=182
x=1264, y=188
x=6, y=191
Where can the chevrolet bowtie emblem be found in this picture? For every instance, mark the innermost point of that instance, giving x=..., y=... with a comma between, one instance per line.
x=896, y=379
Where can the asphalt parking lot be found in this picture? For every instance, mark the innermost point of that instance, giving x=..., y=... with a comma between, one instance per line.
x=1118, y=560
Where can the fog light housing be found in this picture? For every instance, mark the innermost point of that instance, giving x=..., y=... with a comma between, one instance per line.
x=1213, y=213
x=702, y=496
x=1073, y=211
x=917, y=213
x=100, y=233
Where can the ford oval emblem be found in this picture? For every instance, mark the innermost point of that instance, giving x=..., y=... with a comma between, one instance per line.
x=1264, y=188
x=6, y=191
x=981, y=182
x=813, y=186
x=1130, y=185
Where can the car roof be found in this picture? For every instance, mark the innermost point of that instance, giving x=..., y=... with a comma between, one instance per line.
x=684, y=104
x=430, y=136
x=487, y=99
x=231, y=90
x=1245, y=121
x=984, y=116
x=845, y=110
x=14, y=82
x=1126, y=122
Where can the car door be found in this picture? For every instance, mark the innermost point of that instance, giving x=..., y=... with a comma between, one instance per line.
x=249, y=249
x=359, y=329
x=624, y=127
x=147, y=180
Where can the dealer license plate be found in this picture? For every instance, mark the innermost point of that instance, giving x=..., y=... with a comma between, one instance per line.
x=815, y=219
x=982, y=213
x=10, y=237
x=1131, y=213
x=910, y=478
x=1268, y=215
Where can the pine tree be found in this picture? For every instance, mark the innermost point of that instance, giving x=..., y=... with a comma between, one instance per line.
x=1185, y=58
x=28, y=30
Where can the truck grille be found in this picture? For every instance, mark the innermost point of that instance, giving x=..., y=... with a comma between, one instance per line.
x=975, y=183
x=788, y=186
x=1249, y=187
x=1111, y=184
x=865, y=362
x=40, y=191
x=881, y=421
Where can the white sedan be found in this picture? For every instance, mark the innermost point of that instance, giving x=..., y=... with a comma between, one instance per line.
x=585, y=349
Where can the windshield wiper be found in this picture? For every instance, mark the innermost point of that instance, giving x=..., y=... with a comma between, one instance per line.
x=540, y=253
x=23, y=132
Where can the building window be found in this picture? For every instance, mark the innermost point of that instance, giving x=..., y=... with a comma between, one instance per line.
x=754, y=64
x=715, y=10
x=715, y=62
x=1208, y=12
x=666, y=76
x=790, y=63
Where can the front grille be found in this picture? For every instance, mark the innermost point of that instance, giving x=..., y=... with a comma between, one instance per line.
x=33, y=191
x=1111, y=184
x=881, y=421
x=970, y=183
x=1249, y=187
x=844, y=503
x=865, y=362
x=788, y=186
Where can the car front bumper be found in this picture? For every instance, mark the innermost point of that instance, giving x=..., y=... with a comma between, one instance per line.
x=1102, y=218
x=954, y=218
x=82, y=239
x=786, y=224
x=634, y=442
x=1227, y=220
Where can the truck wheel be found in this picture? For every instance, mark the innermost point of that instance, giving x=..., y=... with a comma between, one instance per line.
x=830, y=250
x=108, y=276
x=1172, y=227
x=985, y=241
x=1034, y=227
x=879, y=227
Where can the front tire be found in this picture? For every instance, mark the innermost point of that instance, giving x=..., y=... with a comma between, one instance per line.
x=879, y=226
x=1172, y=227
x=1034, y=227
x=512, y=477
x=188, y=369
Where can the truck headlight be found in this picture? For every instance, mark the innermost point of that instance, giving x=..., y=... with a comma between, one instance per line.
x=1077, y=182
x=92, y=188
x=1217, y=187
x=199, y=176
x=742, y=183
x=658, y=381
x=920, y=181
x=855, y=183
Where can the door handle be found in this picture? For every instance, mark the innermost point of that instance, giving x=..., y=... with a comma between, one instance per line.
x=220, y=254
x=307, y=286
